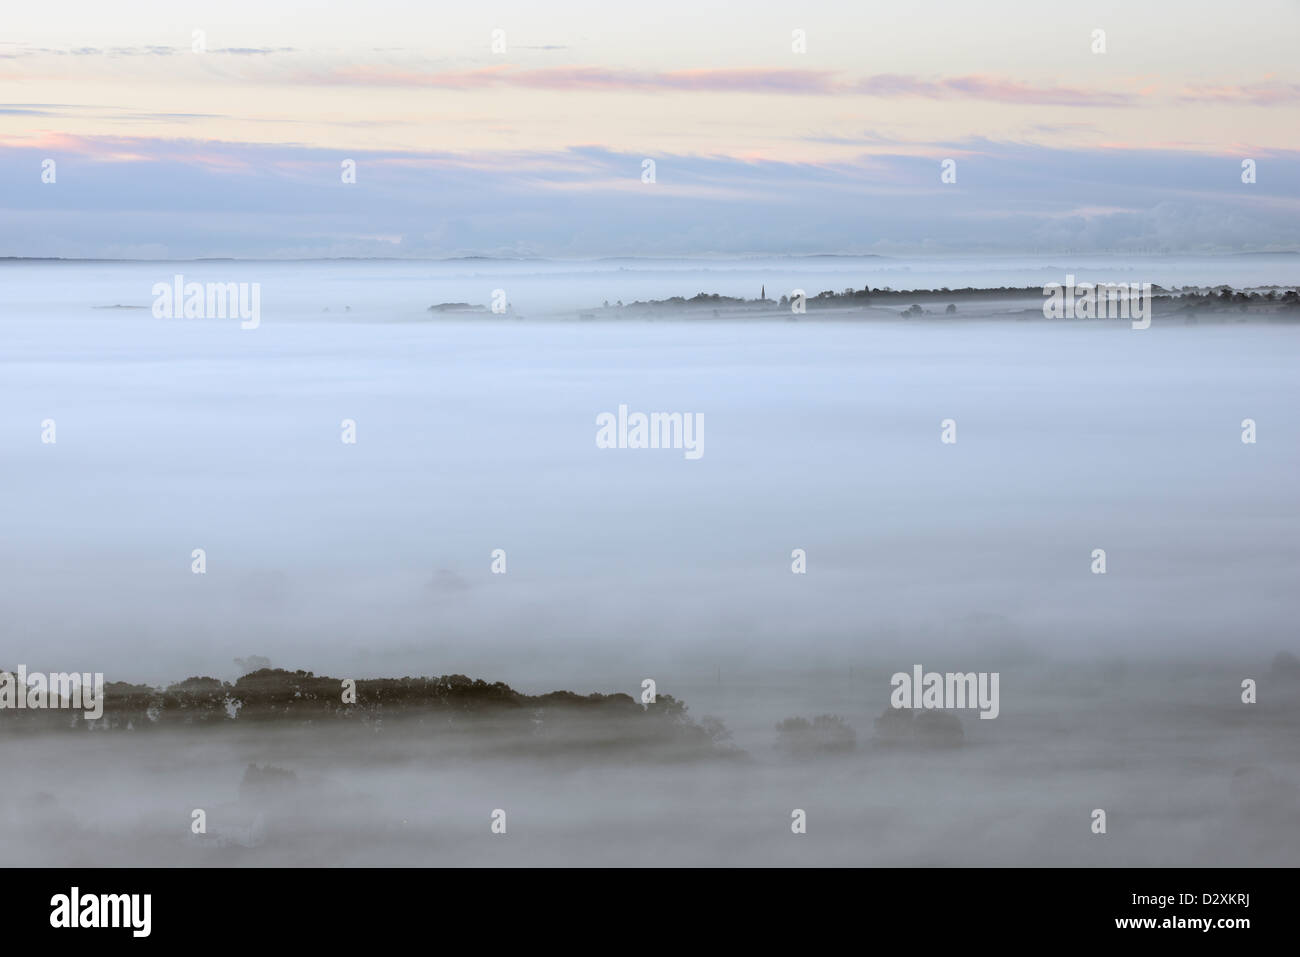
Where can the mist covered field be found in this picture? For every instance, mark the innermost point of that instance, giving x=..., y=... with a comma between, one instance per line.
x=1119, y=691
x=1186, y=776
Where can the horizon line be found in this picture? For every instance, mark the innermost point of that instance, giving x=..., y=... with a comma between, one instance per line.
x=717, y=257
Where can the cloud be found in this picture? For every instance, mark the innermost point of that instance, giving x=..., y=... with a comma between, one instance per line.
x=253, y=51
x=746, y=80
x=1253, y=94
x=157, y=50
x=117, y=114
x=988, y=88
x=199, y=198
x=592, y=78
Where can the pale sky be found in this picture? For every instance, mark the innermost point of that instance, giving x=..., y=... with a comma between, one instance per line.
x=538, y=150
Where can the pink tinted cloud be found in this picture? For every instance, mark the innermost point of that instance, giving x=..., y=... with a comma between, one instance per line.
x=48, y=140
x=1254, y=94
x=748, y=80
x=990, y=88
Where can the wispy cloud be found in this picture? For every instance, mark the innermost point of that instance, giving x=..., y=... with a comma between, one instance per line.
x=268, y=200
x=989, y=88
x=592, y=78
x=1253, y=94
x=18, y=51
x=756, y=80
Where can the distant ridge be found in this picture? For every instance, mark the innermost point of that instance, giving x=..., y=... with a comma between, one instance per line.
x=476, y=257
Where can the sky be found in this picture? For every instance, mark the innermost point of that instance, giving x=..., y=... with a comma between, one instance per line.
x=181, y=130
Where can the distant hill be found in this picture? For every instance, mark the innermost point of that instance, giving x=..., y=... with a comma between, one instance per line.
x=276, y=698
